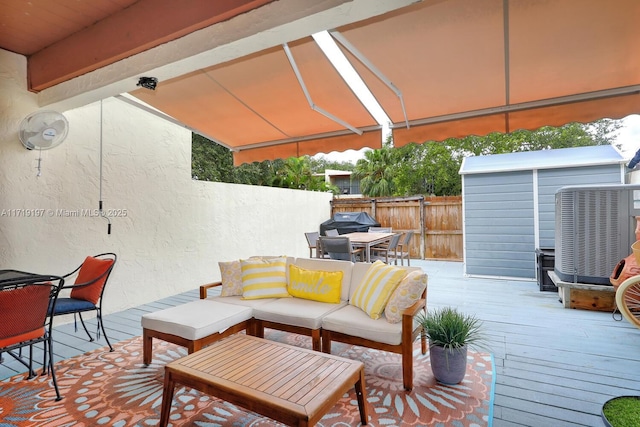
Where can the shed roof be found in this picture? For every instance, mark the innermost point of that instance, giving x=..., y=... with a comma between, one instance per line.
x=543, y=159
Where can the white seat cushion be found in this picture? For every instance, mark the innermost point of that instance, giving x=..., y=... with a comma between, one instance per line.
x=196, y=319
x=238, y=300
x=353, y=321
x=296, y=312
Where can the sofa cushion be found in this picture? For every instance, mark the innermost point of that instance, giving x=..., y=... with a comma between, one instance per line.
x=296, y=312
x=405, y=295
x=196, y=319
x=376, y=287
x=330, y=265
x=238, y=300
x=263, y=278
x=353, y=321
x=231, y=278
x=316, y=285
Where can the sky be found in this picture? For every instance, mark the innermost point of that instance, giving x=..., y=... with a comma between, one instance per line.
x=628, y=136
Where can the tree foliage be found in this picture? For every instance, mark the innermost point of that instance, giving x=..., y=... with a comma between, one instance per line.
x=296, y=173
x=319, y=165
x=376, y=172
x=432, y=167
x=213, y=162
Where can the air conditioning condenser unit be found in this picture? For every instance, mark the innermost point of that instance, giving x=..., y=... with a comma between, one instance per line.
x=594, y=229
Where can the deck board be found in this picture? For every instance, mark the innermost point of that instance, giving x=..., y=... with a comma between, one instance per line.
x=555, y=366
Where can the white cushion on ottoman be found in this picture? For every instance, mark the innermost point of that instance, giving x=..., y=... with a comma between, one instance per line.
x=196, y=319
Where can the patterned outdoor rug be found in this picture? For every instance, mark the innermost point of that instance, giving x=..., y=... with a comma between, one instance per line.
x=114, y=389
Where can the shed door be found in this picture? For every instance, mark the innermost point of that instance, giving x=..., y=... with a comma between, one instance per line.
x=499, y=224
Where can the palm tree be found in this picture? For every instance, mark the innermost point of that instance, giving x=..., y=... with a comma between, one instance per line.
x=375, y=172
x=296, y=173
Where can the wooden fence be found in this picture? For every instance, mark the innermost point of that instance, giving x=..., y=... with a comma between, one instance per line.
x=435, y=221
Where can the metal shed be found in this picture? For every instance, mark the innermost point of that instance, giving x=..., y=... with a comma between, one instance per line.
x=509, y=203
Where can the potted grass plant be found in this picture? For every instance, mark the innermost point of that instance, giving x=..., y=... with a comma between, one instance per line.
x=450, y=334
x=621, y=411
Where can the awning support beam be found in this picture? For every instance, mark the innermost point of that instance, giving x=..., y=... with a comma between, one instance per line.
x=313, y=106
x=365, y=61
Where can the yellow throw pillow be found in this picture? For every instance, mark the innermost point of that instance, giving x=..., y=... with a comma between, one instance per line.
x=316, y=285
x=264, y=278
x=376, y=287
x=231, y=273
x=406, y=294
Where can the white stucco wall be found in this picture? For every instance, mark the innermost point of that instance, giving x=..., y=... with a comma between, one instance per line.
x=175, y=230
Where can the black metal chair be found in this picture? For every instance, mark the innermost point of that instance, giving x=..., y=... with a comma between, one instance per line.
x=340, y=248
x=87, y=291
x=25, y=318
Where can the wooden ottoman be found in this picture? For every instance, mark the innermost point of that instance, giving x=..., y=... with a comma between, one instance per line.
x=193, y=325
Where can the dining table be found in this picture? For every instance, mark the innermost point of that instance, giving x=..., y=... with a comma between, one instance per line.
x=367, y=240
x=11, y=277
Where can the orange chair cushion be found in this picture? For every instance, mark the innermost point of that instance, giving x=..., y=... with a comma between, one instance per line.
x=91, y=268
x=22, y=313
x=27, y=336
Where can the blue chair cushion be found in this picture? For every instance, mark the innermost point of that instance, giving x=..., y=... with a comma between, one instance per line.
x=72, y=305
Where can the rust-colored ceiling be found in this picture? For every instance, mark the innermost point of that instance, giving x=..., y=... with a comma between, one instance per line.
x=27, y=27
x=63, y=39
x=461, y=66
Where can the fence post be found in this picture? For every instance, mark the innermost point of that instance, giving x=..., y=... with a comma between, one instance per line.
x=423, y=226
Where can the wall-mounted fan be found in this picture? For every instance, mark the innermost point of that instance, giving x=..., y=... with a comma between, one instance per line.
x=43, y=130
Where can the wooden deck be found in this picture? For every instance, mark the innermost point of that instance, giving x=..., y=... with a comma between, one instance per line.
x=555, y=366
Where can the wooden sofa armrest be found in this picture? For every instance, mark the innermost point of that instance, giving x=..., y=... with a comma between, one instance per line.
x=407, y=320
x=204, y=288
x=415, y=308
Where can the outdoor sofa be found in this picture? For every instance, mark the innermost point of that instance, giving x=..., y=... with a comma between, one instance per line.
x=365, y=304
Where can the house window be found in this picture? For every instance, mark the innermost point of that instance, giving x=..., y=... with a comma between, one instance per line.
x=347, y=186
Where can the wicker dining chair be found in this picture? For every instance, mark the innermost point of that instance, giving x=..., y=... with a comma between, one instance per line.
x=312, y=241
x=380, y=230
x=404, y=248
x=314, y=244
x=387, y=252
x=339, y=247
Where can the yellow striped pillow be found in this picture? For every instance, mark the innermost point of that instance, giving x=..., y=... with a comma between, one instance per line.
x=376, y=287
x=264, y=278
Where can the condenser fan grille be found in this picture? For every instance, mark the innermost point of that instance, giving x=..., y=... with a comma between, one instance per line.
x=43, y=130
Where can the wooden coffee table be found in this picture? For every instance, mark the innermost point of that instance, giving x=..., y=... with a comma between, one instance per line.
x=289, y=384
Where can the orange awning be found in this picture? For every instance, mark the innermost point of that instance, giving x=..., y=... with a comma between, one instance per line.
x=461, y=67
